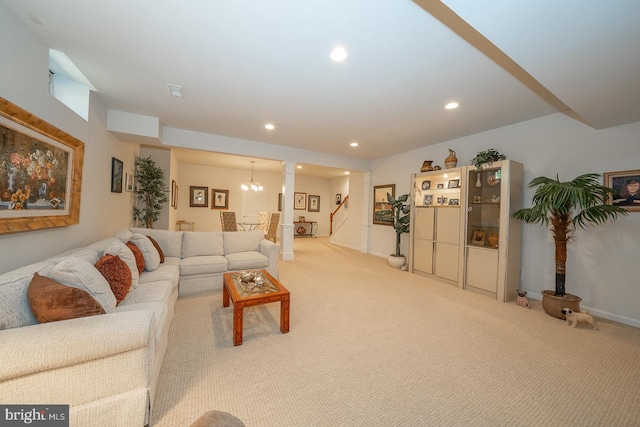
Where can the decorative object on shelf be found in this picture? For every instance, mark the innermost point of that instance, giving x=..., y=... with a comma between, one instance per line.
x=454, y=202
x=493, y=239
x=436, y=168
x=301, y=218
x=478, y=181
x=487, y=157
x=150, y=191
x=400, y=209
x=451, y=160
x=440, y=186
x=563, y=206
x=494, y=179
x=428, y=199
x=426, y=166
x=426, y=184
x=453, y=183
x=495, y=199
x=478, y=199
x=626, y=185
x=478, y=238
x=301, y=230
x=255, y=186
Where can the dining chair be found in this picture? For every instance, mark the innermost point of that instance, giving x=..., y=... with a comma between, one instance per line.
x=228, y=220
x=272, y=232
x=263, y=219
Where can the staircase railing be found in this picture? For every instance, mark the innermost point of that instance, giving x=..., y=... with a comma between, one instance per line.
x=339, y=216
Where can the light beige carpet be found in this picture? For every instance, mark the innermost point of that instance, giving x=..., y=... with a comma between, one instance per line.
x=374, y=346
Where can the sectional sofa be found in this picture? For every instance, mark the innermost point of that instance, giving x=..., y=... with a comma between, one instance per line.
x=105, y=364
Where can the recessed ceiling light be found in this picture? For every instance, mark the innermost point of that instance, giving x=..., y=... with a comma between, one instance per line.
x=299, y=166
x=338, y=54
x=354, y=144
x=451, y=105
x=175, y=90
x=270, y=126
x=347, y=172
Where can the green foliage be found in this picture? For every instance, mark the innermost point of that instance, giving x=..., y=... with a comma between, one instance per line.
x=401, y=209
x=150, y=190
x=487, y=157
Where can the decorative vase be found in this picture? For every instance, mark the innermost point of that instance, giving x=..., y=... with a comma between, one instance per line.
x=478, y=181
x=493, y=240
x=451, y=160
x=426, y=166
x=553, y=304
x=5, y=196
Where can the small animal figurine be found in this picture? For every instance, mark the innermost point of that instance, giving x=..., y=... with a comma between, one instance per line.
x=521, y=299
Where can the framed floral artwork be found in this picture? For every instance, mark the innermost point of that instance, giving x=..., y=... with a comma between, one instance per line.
x=199, y=197
x=300, y=201
x=219, y=199
x=40, y=172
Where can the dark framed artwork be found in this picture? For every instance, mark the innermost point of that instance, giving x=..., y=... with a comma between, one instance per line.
x=453, y=183
x=426, y=185
x=314, y=203
x=198, y=197
x=382, y=212
x=479, y=237
x=338, y=198
x=279, y=202
x=174, y=194
x=40, y=172
x=219, y=199
x=300, y=201
x=128, y=182
x=626, y=185
x=116, y=175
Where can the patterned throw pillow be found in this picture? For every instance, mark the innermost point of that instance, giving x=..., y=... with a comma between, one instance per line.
x=137, y=253
x=158, y=248
x=51, y=301
x=117, y=273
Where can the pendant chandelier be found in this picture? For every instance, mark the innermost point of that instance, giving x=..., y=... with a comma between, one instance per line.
x=255, y=186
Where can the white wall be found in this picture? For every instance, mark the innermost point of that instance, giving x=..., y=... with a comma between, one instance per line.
x=24, y=81
x=601, y=265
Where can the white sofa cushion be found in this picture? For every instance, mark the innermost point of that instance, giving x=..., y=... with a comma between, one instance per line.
x=202, y=243
x=170, y=241
x=166, y=272
x=203, y=265
x=149, y=252
x=81, y=274
x=242, y=241
x=117, y=247
x=247, y=260
x=14, y=305
x=149, y=292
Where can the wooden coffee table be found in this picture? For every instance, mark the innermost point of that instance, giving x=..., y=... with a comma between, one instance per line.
x=249, y=293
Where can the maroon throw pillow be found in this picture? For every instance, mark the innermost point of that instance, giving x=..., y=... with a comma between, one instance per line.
x=117, y=273
x=51, y=301
x=139, y=257
x=158, y=248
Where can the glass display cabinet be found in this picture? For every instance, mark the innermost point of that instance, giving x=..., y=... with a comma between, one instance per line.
x=493, y=237
x=437, y=224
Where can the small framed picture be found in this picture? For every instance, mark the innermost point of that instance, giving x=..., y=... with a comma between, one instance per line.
x=116, y=175
x=128, y=181
x=199, y=197
x=425, y=185
x=442, y=200
x=478, y=238
x=219, y=199
x=314, y=203
x=454, y=202
x=626, y=185
x=478, y=199
x=453, y=183
x=301, y=219
x=338, y=198
x=300, y=201
x=440, y=186
x=428, y=199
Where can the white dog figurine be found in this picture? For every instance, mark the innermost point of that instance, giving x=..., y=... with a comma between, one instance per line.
x=575, y=318
x=521, y=299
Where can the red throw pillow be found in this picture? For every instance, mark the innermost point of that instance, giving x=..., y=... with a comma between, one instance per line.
x=139, y=257
x=117, y=273
x=158, y=248
x=51, y=301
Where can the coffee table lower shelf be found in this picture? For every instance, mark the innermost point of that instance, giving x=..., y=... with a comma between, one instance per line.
x=230, y=291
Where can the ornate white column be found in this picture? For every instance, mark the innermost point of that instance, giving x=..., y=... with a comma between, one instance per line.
x=286, y=219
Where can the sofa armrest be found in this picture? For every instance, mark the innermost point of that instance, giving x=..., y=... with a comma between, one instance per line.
x=48, y=346
x=271, y=251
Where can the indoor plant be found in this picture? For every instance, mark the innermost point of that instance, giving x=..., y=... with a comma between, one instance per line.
x=150, y=190
x=487, y=157
x=400, y=209
x=563, y=206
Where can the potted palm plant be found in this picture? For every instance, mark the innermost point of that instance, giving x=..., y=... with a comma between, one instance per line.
x=400, y=209
x=563, y=206
x=150, y=190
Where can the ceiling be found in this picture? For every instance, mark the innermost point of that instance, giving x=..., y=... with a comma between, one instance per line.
x=244, y=63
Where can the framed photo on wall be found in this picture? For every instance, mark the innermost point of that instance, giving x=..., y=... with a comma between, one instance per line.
x=199, y=197
x=279, y=202
x=626, y=185
x=300, y=201
x=116, y=175
x=338, y=198
x=128, y=182
x=314, y=203
x=382, y=212
x=219, y=199
x=174, y=194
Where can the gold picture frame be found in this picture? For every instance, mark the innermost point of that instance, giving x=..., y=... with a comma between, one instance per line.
x=219, y=199
x=382, y=212
x=40, y=172
x=626, y=185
